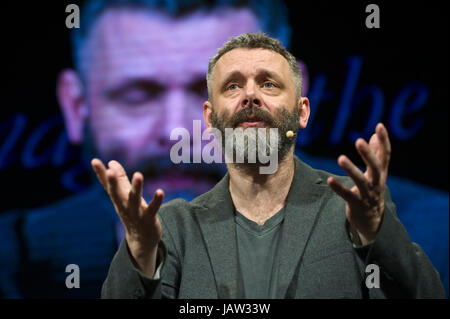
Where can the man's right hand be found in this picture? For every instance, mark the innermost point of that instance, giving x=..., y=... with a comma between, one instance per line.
x=142, y=226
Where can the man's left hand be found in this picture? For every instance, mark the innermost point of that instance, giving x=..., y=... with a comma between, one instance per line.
x=365, y=200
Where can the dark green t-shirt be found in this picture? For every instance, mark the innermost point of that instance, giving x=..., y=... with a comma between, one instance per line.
x=258, y=255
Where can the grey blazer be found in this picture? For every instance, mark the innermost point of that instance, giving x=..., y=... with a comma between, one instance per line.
x=318, y=259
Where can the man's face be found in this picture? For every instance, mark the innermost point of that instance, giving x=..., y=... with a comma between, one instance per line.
x=145, y=76
x=255, y=88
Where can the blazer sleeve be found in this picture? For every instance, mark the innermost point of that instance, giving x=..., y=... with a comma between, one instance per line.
x=405, y=270
x=125, y=281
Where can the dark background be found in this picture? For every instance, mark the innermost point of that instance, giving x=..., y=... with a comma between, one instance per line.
x=410, y=47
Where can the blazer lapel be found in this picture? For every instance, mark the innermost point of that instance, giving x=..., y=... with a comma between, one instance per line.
x=215, y=215
x=305, y=198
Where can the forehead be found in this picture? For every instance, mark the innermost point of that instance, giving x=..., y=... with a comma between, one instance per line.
x=134, y=43
x=250, y=62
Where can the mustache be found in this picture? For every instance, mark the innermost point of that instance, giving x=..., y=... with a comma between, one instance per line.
x=256, y=113
x=158, y=166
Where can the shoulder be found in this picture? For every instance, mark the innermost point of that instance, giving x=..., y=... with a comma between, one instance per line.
x=52, y=230
x=176, y=210
x=183, y=210
x=346, y=181
x=92, y=203
x=45, y=213
x=77, y=216
x=318, y=176
x=324, y=175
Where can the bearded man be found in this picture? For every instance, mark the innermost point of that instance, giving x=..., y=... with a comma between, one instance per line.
x=295, y=233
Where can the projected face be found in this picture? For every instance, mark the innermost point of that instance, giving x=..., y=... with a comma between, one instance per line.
x=145, y=75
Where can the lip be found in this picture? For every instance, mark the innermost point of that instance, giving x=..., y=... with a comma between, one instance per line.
x=181, y=182
x=253, y=124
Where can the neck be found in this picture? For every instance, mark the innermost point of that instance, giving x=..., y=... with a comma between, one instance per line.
x=257, y=196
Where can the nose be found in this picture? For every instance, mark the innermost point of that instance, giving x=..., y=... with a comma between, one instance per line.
x=175, y=106
x=251, y=98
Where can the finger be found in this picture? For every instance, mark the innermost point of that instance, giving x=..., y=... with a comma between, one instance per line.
x=341, y=190
x=383, y=136
x=356, y=175
x=117, y=195
x=100, y=171
x=123, y=182
x=370, y=159
x=156, y=202
x=135, y=195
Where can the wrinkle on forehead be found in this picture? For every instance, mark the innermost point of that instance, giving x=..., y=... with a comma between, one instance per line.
x=145, y=43
x=251, y=61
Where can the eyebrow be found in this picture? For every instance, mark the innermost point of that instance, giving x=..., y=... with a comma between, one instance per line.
x=260, y=73
x=264, y=73
x=233, y=76
x=143, y=83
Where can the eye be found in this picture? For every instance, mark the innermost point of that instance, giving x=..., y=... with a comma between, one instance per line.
x=199, y=87
x=135, y=93
x=268, y=85
x=135, y=97
x=232, y=87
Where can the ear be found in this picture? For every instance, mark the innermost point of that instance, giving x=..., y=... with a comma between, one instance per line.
x=72, y=103
x=305, y=77
x=207, y=112
x=303, y=105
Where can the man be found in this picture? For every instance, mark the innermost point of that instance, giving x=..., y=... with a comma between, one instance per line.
x=139, y=74
x=296, y=233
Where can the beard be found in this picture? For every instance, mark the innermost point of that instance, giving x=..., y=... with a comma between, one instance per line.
x=283, y=120
x=154, y=166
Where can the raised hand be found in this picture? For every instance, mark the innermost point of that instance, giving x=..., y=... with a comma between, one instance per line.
x=365, y=200
x=142, y=226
